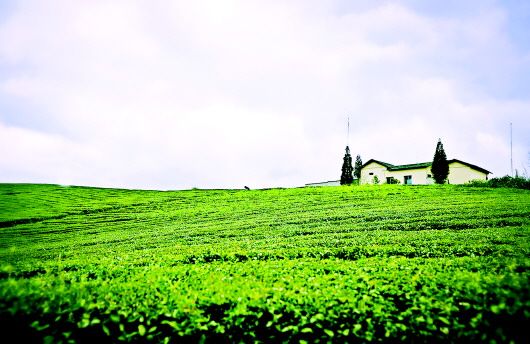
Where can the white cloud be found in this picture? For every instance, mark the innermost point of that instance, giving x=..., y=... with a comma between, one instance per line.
x=208, y=94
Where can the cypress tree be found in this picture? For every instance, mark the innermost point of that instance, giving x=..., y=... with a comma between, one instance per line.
x=358, y=165
x=440, y=167
x=346, y=178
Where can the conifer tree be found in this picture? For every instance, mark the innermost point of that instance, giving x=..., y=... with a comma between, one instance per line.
x=346, y=178
x=358, y=165
x=440, y=167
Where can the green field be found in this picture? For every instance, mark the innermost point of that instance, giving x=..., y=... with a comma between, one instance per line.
x=343, y=264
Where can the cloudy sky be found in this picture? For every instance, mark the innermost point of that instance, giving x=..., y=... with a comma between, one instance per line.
x=214, y=94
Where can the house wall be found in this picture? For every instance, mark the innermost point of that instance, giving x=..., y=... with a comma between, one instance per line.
x=419, y=175
x=328, y=183
x=461, y=174
x=376, y=170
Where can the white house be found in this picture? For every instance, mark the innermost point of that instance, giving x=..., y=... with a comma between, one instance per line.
x=460, y=172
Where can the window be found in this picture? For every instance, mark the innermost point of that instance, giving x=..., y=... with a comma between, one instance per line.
x=371, y=173
x=429, y=176
x=407, y=180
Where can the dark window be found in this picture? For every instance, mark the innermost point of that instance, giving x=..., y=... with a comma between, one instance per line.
x=407, y=180
x=429, y=176
x=371, y=173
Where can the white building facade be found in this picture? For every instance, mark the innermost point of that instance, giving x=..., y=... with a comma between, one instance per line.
x=379, y=172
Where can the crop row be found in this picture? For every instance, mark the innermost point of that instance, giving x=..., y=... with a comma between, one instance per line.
x=396, y=299
x=388, y=263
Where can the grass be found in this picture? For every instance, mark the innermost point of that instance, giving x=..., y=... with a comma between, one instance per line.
x=375, y=263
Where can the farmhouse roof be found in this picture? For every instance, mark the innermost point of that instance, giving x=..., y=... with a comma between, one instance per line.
x=391, y=167
x=386, y=164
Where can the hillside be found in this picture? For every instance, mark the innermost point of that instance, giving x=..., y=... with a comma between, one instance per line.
x=424, y=263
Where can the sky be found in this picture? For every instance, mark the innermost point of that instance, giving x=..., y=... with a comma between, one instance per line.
x=224, y=94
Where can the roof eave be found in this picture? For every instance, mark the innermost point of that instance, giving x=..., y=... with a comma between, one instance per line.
x=475, y=167
x=382, y=163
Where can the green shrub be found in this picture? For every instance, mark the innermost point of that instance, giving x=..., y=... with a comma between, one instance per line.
x=393, y=181
x=503, y=182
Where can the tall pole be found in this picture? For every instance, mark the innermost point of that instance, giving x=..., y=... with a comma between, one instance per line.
x=511, y=151
x=348, y=137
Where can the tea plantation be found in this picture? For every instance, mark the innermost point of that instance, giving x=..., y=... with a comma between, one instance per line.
x=335, y=264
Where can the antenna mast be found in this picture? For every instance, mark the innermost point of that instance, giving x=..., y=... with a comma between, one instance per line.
x=511, y=151
x=348, y=137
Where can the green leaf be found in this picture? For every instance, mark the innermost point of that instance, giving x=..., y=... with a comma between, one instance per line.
x=329, y=332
